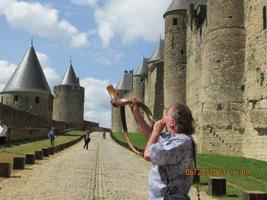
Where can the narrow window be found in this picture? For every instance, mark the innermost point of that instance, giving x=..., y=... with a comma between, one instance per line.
x=37, y=100
x=16, y=99
x=174, y=21
x=26, y=101
x=2, y=99
x=264, y=17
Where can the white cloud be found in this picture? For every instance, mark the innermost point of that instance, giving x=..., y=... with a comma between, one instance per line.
x=104, y=117
x=51, y=75
x=106, y=56
x=131, y=20
x=97, y=101
x=6, y=69
x=41, y=20
x=84, y=2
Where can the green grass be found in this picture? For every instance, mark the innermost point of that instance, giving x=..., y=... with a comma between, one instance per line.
x=16, y=148
x=136, y=138
x=35, y=145
x=256, y=179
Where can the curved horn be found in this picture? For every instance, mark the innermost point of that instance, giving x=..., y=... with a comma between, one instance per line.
x=117, y=102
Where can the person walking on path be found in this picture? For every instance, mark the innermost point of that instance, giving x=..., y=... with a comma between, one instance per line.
x=104, y=135
x=52, y=136
x=87, y=139
x=3, y=135
x=170, y=153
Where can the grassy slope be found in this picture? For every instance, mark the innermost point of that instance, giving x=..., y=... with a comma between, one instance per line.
x=256, y=179
x=17, y=148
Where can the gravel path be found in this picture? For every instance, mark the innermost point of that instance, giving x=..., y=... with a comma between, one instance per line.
x=104, y=171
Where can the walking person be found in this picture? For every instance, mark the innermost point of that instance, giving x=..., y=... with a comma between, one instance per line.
x=87, y=139
x=52, y=136
x=3, y=135
x=170, y=153
x=104, y=135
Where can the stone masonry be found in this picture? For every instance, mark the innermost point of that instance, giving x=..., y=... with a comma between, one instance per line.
x=214, y=61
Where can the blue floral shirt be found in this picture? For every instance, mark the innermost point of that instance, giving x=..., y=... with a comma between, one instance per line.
x=170, y=158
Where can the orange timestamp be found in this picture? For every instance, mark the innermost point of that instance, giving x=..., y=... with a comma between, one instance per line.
x=205, y=172
x=216, y=172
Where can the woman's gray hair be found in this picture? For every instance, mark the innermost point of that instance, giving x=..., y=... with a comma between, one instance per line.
x=183, y=118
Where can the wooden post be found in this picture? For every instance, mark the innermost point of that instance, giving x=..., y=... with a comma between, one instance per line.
x=39, y=155
x=217, y=186
x=19, y=163
x=30, y=159
x=5, y=169
x=51, y=150
x=45, y=152
x=254, y=195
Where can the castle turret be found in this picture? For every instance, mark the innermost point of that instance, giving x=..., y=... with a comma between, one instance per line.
x=175, y=52
x=222, y=70
x=139, y=80
x=27, y=89
x=124, y=86
x=115, y=112
x=154, y=83
x=69, y=99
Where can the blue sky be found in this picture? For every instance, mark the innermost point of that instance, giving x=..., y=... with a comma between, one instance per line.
x=103, y=37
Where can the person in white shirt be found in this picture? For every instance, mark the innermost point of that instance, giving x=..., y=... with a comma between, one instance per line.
x=3, y=135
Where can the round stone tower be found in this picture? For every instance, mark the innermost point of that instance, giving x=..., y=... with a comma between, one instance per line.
x=139, y=80
x=175, y=52
x=115, y=112
x=223, y=64
x=69, y=99
x=27, y=89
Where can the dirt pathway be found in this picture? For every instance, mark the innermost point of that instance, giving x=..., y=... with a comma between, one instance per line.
x=105, y=171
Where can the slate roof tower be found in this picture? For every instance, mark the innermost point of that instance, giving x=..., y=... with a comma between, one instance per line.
x=27, y=89
x=69, y=99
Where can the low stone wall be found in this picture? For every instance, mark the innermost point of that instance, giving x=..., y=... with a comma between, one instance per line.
x=26, y=133
x=18, y=118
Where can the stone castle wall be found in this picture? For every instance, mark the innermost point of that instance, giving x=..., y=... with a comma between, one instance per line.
x=33, y=102
x=255, y=97
x=224, y=82
x=25, y=125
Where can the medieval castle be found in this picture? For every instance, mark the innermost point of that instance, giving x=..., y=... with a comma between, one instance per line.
x=29, y=108
x=213, y=59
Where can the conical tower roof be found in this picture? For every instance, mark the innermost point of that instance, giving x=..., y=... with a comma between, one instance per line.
x=119, y=86
x=142, y=68
x=126, y=83
x=158, y=52
x=28, y=76
x=178, y=5
x=70, y=77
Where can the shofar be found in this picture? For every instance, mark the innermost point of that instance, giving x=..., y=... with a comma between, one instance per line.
x=117, y=102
